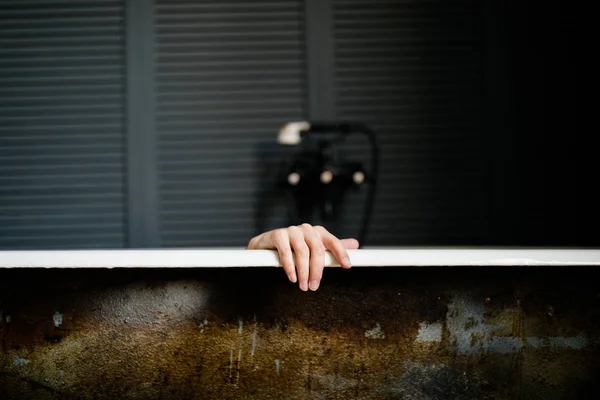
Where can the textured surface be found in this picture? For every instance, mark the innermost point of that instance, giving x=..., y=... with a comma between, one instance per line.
x=61, y=124
x=229, y=74
x=380, y=333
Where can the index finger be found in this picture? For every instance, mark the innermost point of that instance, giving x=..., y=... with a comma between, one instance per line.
x=336, y=247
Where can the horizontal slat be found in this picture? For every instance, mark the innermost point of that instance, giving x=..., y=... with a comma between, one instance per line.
x=60, y=195
x=52, y=111
x=59, y=129
x=240, y=97
x=238, y=83
x=224, y=136
x=79, y=70
x=269, y=122
x=34, y=32
x=54, y=61
x=59, y=41
x=60, y=80
x=81, y=239
x=173, y=206
x=95, y=207
x=219, y=104
x=260, y=74
x=45, y=91
x=98, y=242
x=81, y=226
x=230, y=30
x=181, y=49
x=190, y=70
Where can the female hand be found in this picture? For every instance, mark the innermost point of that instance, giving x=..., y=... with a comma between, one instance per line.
x=309, y=243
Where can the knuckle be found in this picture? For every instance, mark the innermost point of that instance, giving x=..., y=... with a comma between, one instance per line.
x=279, y=236
x=306, y=226
x=285, y=255
x=319, y=250
x=303, y=251
x=323, y=231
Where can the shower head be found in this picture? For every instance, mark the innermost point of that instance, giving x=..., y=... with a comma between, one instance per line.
x=290, y=133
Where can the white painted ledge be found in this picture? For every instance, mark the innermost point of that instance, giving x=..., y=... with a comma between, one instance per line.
x=236, y=257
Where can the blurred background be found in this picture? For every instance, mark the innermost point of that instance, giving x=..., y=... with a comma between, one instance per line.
x=154, y=123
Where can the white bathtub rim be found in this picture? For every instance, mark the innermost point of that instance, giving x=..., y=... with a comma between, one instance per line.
x=239, y=257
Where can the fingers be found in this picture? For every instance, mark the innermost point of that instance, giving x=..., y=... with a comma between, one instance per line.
x=317, y=256
x=281, y=241
x=302, y=255
x=302, y=252
x=337, y=247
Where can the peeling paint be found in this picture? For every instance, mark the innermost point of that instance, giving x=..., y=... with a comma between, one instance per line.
x=20, y=362
x=466, y=325
x=231, y=363
x=577, y=342
x=509, y=344
x=469, y=333
x=58, y=319
x=203, y=324
x=139, y=304
x=239, y=363
x=429, y=332
x=375, y=333
x=254, y=338
x=504, y=345
x=535, y=342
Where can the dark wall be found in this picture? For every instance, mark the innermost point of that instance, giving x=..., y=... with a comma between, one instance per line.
x=413, y=71
x=154, y=124
x=542, y=190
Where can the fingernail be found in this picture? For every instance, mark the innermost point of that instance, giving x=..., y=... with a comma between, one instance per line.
x=314, y=285
x=292, y=278
x=303, y=286
x=346, y=262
